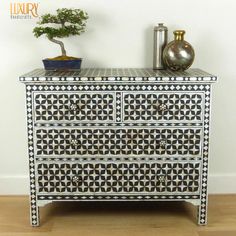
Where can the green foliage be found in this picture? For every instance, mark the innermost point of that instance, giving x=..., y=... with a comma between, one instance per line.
x=70, y=21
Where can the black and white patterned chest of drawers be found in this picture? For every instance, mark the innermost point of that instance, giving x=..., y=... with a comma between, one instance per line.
x=118, y=134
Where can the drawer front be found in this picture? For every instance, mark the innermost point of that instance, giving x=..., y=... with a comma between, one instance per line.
x=162, y=107
x=124, y=177
x=72, y=107
x=120, y=141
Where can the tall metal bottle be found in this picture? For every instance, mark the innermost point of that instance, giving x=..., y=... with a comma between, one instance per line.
x=160, y=41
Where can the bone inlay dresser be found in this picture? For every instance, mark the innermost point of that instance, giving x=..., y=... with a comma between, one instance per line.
x=118, y=135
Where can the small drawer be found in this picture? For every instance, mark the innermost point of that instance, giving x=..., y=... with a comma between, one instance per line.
x=119, y=141
x=73, y=107
x=162, y=107
x=118, y=178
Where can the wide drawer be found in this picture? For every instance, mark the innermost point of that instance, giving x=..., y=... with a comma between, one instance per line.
x=118, y=141
x=73, y=107
x=118, y=178
x=162, y=107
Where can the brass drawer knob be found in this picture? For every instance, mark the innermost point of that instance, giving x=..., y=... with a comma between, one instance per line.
x=162, y=107
x=75, y=179
x=74, y=142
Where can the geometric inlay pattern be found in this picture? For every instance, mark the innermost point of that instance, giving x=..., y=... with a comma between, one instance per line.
x=124, y=141
x=119, y=177
x=74, y=107
x=162, y=107
x=141, y=135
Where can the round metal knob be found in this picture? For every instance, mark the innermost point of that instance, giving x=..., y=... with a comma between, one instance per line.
x=73, y=107
x=163, y=143
x=74, y=142
x=162, y=179
x=75, y=179
x=162, y=107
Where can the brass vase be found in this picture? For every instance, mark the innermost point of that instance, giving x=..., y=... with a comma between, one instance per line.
x=178, y=55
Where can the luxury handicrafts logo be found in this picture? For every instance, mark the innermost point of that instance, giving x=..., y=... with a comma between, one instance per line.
x=27, y=10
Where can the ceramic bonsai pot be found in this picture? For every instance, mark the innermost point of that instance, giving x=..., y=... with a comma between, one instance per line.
x=73, y=64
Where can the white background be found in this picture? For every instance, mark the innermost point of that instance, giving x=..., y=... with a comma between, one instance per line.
x=119, y=34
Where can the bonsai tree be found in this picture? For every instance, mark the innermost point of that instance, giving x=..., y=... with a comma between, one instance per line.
x=67, y=22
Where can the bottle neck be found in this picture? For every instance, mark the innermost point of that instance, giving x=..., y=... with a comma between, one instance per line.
x=179, y=35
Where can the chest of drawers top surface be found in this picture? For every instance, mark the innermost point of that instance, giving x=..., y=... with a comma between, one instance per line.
x=118, y=74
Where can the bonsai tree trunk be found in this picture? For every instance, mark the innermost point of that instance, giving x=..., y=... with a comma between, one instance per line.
x=63, y=51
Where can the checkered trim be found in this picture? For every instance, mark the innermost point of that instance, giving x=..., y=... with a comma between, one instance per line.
x=129, y=197
x=202, y=209
x=33, y=194
x=118, y=75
